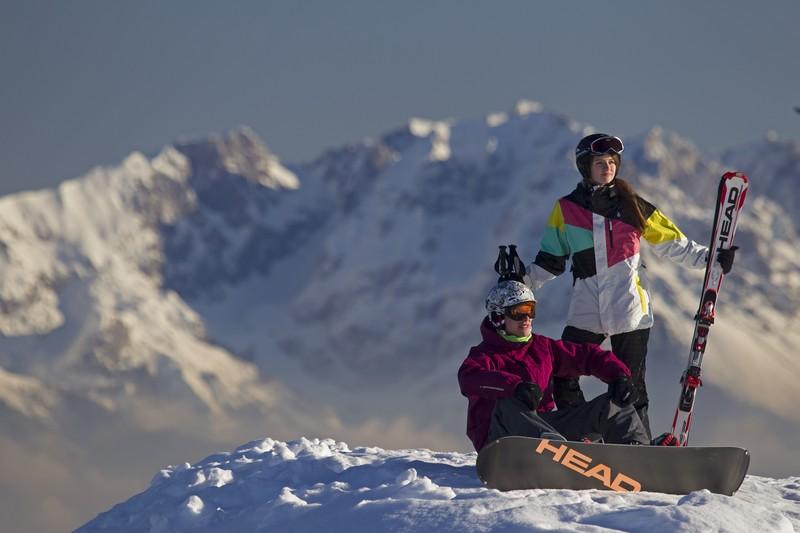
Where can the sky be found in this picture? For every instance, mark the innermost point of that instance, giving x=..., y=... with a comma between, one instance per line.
x=86, y=82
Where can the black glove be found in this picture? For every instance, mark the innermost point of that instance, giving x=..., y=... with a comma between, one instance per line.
x=622, y=392
x=567, y=393
x=725, y=258
x=528, y=393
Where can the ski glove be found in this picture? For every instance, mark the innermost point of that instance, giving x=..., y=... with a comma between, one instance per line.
x=528, y=393
x=725, y=258
x=622, y=392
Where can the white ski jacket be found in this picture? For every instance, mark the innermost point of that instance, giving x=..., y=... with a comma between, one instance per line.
x=610, y=294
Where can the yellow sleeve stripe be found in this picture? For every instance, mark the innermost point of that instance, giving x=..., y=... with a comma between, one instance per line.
x=556, y=219
x=661, y=229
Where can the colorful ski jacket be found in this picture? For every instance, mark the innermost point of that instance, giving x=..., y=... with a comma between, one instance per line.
x=494, y=368
x=610, y=290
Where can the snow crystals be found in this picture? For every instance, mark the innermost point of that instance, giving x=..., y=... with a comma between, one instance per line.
x=308, y=484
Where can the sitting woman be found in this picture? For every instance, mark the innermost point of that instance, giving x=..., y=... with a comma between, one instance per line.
x=507, y=379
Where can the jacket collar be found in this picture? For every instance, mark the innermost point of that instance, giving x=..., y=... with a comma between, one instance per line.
x=601, y=199
x=593, y=189
x=491, y=337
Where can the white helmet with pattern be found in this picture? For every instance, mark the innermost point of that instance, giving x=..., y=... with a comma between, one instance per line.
x=504, y=295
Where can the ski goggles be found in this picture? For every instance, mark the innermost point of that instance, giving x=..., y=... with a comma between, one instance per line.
x=521, y=311
x=606, y=145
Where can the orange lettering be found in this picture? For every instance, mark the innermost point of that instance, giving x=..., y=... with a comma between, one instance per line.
x=545, y=446
x=634, y=486
x=601, y=472
x=576, y=461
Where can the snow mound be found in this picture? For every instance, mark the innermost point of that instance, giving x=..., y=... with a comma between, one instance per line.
x=323, y=485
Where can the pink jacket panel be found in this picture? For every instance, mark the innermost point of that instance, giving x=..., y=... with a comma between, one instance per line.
x=496, y=366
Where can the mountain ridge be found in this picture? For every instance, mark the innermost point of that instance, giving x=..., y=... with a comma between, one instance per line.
x=337, y=297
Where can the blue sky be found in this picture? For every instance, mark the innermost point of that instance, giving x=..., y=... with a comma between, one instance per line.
x=86, y=82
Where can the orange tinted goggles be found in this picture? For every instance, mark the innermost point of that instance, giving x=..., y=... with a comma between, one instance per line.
x=521, y=311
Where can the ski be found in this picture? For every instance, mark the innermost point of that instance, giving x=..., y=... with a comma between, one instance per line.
x=730, y=199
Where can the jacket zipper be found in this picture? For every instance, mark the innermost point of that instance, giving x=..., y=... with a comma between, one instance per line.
x=610, y=233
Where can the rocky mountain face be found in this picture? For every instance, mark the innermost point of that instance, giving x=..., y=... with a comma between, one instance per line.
x=211, y=293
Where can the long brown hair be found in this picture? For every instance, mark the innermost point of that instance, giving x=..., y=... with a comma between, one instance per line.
x=631, y=202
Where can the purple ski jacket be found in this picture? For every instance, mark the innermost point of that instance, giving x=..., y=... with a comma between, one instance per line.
x=496, y=366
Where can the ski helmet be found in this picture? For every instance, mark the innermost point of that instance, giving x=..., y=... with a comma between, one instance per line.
x=596, y=144
x=504, y=295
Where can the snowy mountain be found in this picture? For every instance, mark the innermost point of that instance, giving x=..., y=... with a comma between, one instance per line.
x=776, y=162
x=323, y=485
x=191, y=300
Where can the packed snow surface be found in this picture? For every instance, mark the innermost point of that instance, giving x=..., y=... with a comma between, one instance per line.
x=323, y=485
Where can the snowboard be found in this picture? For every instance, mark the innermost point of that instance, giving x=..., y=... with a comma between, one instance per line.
x=513, y=463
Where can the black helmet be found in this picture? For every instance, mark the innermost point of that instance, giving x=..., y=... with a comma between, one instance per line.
x=595, y=144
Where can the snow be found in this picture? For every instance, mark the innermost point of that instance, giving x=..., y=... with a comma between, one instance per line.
x=105, y=325
x=527, y=107
x=323, y=485
x=496, y=119
x=243, y=153
x=439, y=133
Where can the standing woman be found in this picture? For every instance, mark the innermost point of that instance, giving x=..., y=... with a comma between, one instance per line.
x=600, y=225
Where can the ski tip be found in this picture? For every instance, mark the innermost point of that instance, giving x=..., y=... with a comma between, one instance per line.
x=735, y=175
